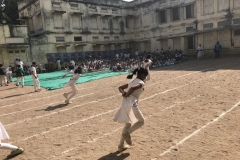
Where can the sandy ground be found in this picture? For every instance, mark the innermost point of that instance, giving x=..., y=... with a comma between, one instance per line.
x=191, y=110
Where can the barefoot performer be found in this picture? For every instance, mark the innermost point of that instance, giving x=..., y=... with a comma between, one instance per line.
x=72, y=83
x=129, y=112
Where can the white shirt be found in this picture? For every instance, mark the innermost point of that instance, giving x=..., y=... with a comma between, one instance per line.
x=8, y=70
x=34, y=72
x=72, y=62
x=139, y=91
x=136, y=53
x=146, y=63
x=59, y=62
x=21, y=64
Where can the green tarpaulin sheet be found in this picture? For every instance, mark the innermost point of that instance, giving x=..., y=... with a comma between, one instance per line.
x=54, y=80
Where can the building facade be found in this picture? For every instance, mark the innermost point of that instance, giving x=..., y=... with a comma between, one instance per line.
x=64, y=26
x=13, y=44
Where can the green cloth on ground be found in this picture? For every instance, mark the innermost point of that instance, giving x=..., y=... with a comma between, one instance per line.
x=54, y=80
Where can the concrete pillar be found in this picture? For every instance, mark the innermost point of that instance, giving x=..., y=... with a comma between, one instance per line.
x=112, y=46
x=142, y=47
x=154, y=45
x=183, y=43
x=88, y=47
x=102, y=48
x=170, y=43
x=169, y=17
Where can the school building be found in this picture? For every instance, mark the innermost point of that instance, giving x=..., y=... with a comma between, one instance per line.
x=76, y=26
x=13, y=44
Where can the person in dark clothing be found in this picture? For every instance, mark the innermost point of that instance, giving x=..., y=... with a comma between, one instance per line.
x=217, y=49
x=2, y=76
x=19, y=75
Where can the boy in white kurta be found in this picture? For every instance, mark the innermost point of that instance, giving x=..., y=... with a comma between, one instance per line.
x=72, y=83
x=35, y=77
x=3, y=136
x=199, y=52
x=129, y=113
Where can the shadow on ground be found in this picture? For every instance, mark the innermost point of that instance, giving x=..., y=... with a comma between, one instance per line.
x=115, y=156
x=51, y=108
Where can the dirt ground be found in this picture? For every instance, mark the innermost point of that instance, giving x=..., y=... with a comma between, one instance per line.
x=191, y=110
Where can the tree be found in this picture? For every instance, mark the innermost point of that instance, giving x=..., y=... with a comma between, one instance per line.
x=9, y=11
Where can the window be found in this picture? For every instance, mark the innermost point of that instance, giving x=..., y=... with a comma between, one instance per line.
x=163, y=17
x=106, y=38
x=175, y=12
x=60, y=39
x=126, y=22
x=58, y=20
x=116, y=38
x=76, y=21
x=56, y=6
x=189, y=11
x=189, y=29
x=77, y=39
x=74, y=6
x=20, y=54
x=237, y=32
x=191, y=42
x=208, y=6
x=95, y=39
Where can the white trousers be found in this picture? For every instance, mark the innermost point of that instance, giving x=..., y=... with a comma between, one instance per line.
x=36, y=83
x=59, y=67
x=130, y=128
x=22, y=80
x=3, y=79
x=9, y=77
x=200, y=54
x=8, y=146
x=73, y=92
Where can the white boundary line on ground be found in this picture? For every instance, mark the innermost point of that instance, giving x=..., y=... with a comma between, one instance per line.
x=200, y=129
x=78, y=89
x=95, y=139
x=6, y=114
x=38, y=117
x=90, y=141
x=189, y=100
x=166, y=91
x=109, y=111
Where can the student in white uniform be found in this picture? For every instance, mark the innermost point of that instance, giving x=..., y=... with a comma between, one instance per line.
x=9, y=74
x=14, y=149
x=199, y=52
x=20, y=63
x=59, y=64
x=146, y=64
x=72, y=83
x=35, y=78
x=129, y=113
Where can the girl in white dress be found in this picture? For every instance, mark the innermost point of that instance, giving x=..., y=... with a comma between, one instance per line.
x=72, y=83
x=14, y=149
x=129, y=113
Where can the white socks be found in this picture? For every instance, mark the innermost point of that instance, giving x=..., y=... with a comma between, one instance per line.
x=8, y=146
